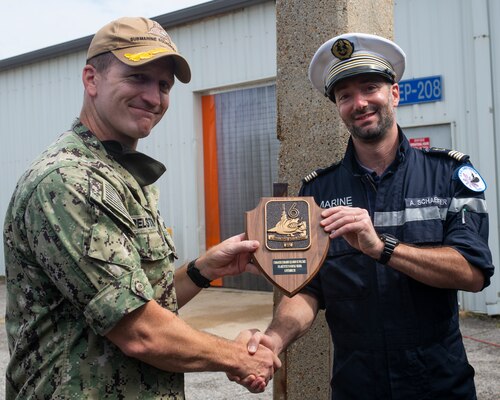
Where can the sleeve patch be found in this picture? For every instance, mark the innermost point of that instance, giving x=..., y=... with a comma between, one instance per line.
x=470, y=178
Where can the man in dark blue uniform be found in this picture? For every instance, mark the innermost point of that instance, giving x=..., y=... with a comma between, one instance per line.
x=411, y=231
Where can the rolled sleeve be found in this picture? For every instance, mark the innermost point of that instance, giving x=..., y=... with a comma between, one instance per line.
x=117, y=299
x=467, y=231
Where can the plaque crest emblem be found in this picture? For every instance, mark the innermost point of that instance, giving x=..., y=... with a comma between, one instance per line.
x=293, y=244
x=342, y=49
x=287, y=225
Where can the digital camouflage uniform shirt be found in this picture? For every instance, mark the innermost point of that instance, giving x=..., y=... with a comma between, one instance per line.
x=84, y=246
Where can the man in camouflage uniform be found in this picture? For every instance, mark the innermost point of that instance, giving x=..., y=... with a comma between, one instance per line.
x=92, y=289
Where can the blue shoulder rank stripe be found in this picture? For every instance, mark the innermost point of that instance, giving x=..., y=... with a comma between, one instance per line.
x=313, y=175
x=461, y=157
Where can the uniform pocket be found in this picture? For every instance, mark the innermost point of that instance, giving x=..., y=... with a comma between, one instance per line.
x=112, y=246
x=151, y=246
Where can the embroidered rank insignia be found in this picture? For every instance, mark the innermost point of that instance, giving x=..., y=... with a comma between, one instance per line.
x=310, y=177
x=471, y=178
x=145, y=55
x=321, y=171
x=457, y=155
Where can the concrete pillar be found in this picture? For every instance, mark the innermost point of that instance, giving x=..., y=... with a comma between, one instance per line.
x=313, y=136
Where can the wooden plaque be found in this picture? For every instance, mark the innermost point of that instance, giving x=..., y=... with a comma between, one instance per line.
x=293, y=245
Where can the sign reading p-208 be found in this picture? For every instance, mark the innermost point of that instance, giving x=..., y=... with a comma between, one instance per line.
x=420, y=90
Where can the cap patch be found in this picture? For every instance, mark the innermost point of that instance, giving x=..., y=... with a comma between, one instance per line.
x=342, y=49
x=160, y=35
x=471, y=178
x=157, y=29
x=145, y=54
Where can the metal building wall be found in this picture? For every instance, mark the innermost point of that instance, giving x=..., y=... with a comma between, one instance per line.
x=40, y=100
x=492, y=297
x=37, y=103
x=459, y=40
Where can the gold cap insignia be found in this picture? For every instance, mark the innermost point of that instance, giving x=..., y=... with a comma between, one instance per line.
x=342, y=49
x=145, y=54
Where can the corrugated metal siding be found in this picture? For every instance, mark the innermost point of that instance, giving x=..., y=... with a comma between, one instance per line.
x=26, y=114
x=237, y=48
x=39, y=101
x=457, y=39
x=492, y=294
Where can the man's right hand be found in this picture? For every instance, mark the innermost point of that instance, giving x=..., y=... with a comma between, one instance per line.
x=256, y=342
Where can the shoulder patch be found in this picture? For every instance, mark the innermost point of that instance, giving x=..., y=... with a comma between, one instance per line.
x=456, y=155
x=321, y=171
x=104, y=194
x=471, y=179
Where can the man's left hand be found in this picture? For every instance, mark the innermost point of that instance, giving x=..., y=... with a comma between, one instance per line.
x=230, y=257
x=355, y=226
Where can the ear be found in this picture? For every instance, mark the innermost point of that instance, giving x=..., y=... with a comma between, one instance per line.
x=395, y=94
x=89, y=79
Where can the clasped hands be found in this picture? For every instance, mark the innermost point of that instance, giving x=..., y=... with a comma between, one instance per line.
x=255, y=342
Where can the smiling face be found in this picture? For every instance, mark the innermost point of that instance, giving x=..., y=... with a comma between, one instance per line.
x=124, y=103
x=366, y=105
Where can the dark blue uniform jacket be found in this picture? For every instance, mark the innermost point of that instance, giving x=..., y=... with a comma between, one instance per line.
x=394, y=337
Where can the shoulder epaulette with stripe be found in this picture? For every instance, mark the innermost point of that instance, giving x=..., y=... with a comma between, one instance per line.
x=461, y=157
x=313, y=175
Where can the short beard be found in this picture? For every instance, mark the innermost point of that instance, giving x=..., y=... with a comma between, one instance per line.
x=380, y=131
x=375, y=134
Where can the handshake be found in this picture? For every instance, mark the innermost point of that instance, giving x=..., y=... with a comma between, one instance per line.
x=262, y=362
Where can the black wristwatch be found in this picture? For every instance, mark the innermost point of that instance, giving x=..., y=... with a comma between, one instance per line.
x=196, y=276
x=390, y=243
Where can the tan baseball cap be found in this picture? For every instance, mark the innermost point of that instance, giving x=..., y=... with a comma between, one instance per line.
x=137, y=41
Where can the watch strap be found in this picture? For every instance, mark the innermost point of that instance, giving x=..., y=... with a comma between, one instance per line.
x=196, y=276
x=390, y=243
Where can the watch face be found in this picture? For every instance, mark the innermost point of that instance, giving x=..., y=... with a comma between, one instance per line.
x=471, y=179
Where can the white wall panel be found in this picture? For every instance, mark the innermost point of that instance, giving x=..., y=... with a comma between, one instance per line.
x=492, y=295
x=456, y=39
x=235, y=48
x=37, y=103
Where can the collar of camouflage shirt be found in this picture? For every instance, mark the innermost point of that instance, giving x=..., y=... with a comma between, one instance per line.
x=144, y=169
